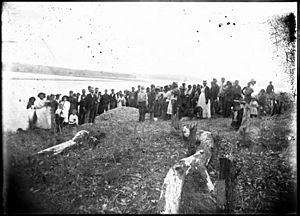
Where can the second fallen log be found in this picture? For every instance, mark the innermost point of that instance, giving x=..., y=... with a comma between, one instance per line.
x=79, y=138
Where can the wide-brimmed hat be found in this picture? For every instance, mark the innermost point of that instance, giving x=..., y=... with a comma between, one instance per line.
x=41, y=93
x=65, y=96
x=252, y=80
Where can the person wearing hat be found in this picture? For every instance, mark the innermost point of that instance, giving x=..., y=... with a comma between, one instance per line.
x=65, y=108
x=142, y=101
x=204, y=100
x=42, y=112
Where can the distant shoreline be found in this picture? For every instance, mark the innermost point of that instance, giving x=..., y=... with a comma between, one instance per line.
x=78, y=80
x=60, y=71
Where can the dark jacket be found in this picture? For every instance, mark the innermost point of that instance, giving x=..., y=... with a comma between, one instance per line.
x=105, y=99
x=237, y=92
x=214, y=91
x=229, y=94
x=89, y=101
x=151, y=98
x=207, y=93
x=113, y=97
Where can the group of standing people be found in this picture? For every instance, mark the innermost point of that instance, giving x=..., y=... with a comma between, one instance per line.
x=161, y=102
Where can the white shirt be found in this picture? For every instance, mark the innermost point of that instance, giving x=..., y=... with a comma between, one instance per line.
x=73, y=119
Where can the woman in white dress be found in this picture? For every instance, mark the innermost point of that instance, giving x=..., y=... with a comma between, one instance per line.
x=171, y=97
x=204, y=101
x=121, y=101
x=42, y=112
x=65, y=107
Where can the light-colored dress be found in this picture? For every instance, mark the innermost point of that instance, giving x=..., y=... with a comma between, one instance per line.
x=253, y=108
x=172, y=99
x=121, y=101
x=65, y=111
x=202, y=103
x=43, y=113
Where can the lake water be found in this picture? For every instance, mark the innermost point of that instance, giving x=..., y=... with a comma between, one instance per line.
x=18, y=87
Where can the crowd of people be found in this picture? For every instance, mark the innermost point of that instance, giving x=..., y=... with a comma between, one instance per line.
x=226, y=99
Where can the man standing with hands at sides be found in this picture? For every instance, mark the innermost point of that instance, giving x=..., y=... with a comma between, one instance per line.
x=81, y=107
x=132, y=98
x=142, y=101
x=89, y=106
x=270, y=88
x=136, y=95
x=113, y=99
x=214, y=91
x=96, y=94
x=151, y=101
x=105, y=101
x=222, y=95
x=100, y=109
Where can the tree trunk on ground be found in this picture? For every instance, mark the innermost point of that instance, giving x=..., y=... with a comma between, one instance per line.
x=77, y=139
x=225, y=185
x=170, y=201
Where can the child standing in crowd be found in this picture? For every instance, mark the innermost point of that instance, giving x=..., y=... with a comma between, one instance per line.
x=253, y=107
x=73, y=119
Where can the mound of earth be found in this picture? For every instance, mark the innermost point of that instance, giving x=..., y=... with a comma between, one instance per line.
x=119, y=114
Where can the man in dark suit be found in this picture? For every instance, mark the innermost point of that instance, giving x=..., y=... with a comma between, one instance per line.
x=113, y=99
x=105, y=101
x=90, y=106
x=214, y=91
x=82, y=107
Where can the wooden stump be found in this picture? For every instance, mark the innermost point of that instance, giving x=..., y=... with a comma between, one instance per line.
x=171, y=193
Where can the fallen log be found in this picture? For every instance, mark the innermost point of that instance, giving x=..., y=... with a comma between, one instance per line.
x=171, y=192
x=77, y=139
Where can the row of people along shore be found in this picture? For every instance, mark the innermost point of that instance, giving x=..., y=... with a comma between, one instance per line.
x=226, y=99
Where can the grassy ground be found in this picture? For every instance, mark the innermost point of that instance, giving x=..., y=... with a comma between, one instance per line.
x=124, y=171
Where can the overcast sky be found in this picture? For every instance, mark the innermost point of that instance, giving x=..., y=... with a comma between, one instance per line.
x=170, y=38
